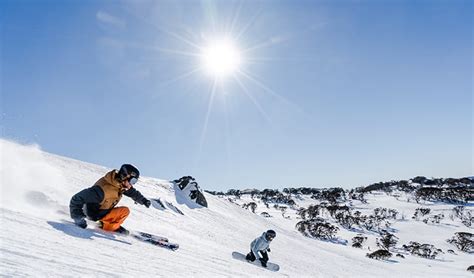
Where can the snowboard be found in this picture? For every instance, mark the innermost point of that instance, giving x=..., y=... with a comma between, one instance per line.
x=241, y=257
x=155, y=240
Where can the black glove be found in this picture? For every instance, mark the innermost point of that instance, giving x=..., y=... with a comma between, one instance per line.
x=268, y=250
x=147, y=203
x=81, y=222
x=264, y=263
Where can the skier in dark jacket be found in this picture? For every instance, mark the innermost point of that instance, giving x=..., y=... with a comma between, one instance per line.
x=260, y=247
x=98, y=202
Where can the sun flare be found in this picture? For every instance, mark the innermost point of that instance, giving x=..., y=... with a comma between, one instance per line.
x=221, y=58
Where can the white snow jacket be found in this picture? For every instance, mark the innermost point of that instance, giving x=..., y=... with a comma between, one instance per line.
x=259, y=244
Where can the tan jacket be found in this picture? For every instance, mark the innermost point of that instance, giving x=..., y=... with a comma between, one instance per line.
x=112, y=188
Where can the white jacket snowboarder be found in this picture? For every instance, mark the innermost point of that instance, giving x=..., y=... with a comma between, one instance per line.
x=260, y=246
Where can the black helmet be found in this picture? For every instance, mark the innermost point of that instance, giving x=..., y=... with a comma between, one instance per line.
x=128, y=170
x=270, y=235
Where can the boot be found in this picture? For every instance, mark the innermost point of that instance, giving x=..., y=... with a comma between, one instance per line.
x=122, y=230
x=249, y=257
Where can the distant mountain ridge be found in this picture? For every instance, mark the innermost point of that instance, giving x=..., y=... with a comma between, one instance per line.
x=409, y=185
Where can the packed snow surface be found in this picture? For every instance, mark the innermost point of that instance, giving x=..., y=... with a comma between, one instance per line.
x=38, y=239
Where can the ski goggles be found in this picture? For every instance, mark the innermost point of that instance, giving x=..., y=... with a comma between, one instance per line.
x=133, y=180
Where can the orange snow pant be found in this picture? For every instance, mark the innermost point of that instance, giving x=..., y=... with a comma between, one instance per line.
x=114, y=218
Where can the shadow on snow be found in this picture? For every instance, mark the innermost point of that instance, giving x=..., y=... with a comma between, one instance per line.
x=71, y=230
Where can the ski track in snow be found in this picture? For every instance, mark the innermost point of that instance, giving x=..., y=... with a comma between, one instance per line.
x=38, y=239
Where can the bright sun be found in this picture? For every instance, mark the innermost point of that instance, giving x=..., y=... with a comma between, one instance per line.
x=221, y=58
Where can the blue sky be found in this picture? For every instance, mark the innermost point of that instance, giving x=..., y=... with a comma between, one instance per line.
x=329, y=93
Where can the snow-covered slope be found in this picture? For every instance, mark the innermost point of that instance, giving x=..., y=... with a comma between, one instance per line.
x=37, y=238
